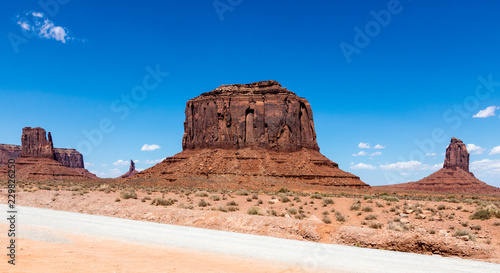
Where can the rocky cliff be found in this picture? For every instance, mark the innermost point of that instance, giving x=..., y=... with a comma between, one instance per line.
x=34, y=143
x=257, y=135
x=457, y=156
x=453, y=177
x=37, y=145
x=261, y=114
x=36, y=158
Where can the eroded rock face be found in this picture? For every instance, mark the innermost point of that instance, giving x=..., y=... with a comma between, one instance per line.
x=131, y=170
x=261, y=114
x=37, y=145
x=34, y=143
x=257, y=135
x=69, y=157
x=457, y=155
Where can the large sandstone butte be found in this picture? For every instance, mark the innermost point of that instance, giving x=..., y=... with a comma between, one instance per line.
x=257, y=135
x=453, y=177
x=36, y=158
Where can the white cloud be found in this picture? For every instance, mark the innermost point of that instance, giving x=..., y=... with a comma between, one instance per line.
x=140, y=170
x=376, y=153
x=488, y=112
x=359, y=154
x=38, y=24
x=495, y=150
x=430, y=154
x=474, y=149
x=363, y=145
x=155, y=161
x=114, y=173
x=410, y=166
x=88, y=164
x=104, y=165
x=487, y=166
x=362, y=166
x=152, y=147
x=121, y=163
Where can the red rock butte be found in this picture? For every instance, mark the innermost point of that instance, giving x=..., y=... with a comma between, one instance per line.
x=256, y=135
x=37, y=159
x=454, y=177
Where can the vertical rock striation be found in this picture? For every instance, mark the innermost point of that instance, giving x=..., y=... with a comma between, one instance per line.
x=457, y=155
x=34, y=143
x=261, y=114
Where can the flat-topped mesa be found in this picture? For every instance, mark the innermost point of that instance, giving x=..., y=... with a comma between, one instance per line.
x=457, y=155
x=261, y=114
x=34, y=143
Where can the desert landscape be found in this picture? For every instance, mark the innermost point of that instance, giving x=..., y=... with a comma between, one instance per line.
x=179, y=136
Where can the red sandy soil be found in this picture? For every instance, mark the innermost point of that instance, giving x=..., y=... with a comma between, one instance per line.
x=92, y=254
x=429, y=231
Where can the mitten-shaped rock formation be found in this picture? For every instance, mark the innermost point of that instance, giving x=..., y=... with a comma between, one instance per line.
x=37, y=158
x=257, y=135
x=37, y=145
x=34, y=143
x=131, y=170
x=261, y=114
x=453, y=177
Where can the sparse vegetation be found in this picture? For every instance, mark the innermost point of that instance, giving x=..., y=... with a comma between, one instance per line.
x=128, y=194
x=326, y=220
x=253, y=211
x=371, y=217
x=202, y=203
x=339, y=217
x=160, y=201
x=464, y=232
x=327, y=201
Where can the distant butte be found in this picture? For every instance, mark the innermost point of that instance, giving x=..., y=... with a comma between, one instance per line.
x=36, y=158
x=131, y=171
x=454, y=177
x=252, y=135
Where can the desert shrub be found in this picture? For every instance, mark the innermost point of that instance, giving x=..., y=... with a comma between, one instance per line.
x=75, y=188
x=481, y=214
x=339, y=217
x=367, y=209
x=366, y=197
x=355, y=206
x=475, y=227
x=292, y=211
x=370, y=217
x=465, y=224
x=117, y=199
x=464, y=232
x=375, y=225
x=184, y=206
x=272, y=212
x=398, y=226
x=255, y=196
x=332, y=210
x=284, y=198
x=316, y=196
x=202, y=203
x=215, y=197
x=326, y=220
x=390, y=198
x=432, y=231
x=297, y=199
x=249, y=199
x=127, y=194
x=242, y=192
x=160, y=201
x=253, y=211
x=201, y=194
x=283, y=190
x=232, y=203
x=379, y=205
x=260, y=202
x=441, y=207
x=327, y=201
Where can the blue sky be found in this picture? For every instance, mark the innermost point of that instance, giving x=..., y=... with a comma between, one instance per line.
x=108, y=79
